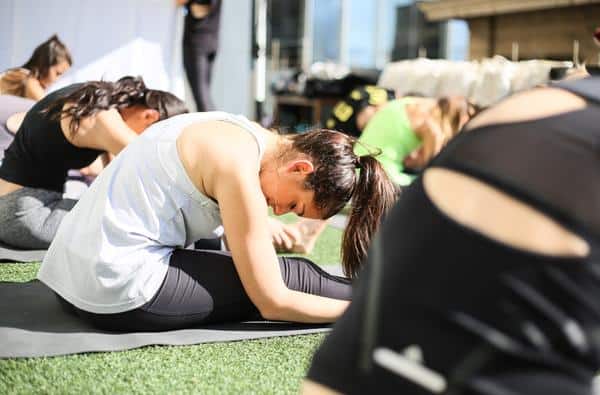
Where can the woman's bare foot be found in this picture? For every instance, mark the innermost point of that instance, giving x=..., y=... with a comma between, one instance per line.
x=309, y=230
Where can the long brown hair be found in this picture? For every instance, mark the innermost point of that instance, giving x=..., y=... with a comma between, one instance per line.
x=49, y=53
x=341, y=176
x=95, y=96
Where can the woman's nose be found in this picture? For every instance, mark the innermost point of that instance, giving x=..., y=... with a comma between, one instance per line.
x=279, y=210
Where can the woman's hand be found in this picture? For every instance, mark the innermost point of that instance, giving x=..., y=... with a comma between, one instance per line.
x=94, y=169
x=200, y=11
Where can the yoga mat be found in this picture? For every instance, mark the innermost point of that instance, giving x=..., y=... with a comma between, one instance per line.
x=12, y=254
x=33, y=323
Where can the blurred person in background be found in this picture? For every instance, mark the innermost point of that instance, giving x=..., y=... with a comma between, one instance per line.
x=200, y=44
x=49, y=61
x=404, y=133
x=484, y=279
x=69, y=129
x=408, y=130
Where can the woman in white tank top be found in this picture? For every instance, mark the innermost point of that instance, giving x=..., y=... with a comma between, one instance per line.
x=118, y=257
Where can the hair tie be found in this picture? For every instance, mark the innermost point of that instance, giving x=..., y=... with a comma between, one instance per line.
x=358, y=162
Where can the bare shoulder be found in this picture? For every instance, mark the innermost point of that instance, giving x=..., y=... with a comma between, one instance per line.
x=34, y=89
x=224, y=142
x=215, y=150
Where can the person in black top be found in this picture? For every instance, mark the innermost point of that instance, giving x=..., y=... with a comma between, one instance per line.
x=69, y=129
x=484, y=278
x=200, y=44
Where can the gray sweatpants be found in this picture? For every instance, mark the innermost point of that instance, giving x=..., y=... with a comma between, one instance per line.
x=29, y=217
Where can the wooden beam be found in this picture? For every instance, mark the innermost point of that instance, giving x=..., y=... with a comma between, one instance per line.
x=466, y=9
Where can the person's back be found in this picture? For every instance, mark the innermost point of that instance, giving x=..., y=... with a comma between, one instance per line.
x=41, y=156
x=140, y=208
x=71, y=128
x=493, y=286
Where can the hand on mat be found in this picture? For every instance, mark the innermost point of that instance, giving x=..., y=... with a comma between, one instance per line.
x=284, y=236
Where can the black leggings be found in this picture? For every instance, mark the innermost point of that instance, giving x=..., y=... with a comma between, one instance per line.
x=203, y=287
x=198, y=67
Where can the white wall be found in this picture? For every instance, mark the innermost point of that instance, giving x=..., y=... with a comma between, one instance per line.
x=107, y=39
x=232, y=86
x=112, y=38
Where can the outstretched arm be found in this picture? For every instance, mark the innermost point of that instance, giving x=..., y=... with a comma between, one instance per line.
x=243, y=211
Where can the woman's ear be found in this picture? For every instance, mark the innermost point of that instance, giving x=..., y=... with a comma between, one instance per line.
x=150, y=116
x=302, y=166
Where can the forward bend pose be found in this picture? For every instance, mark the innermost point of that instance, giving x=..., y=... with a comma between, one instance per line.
x=485, y=277
x=409, y=131
x=118, y=256
x=49, y=61
x=69, y=129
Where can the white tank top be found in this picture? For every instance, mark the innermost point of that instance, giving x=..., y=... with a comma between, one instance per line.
x=112, y=250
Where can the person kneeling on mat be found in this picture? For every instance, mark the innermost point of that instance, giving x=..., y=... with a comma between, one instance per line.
x=119, y=260
x=484, y=279
x=69, y=129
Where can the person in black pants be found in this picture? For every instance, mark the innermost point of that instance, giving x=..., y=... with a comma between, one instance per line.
x=200, y=43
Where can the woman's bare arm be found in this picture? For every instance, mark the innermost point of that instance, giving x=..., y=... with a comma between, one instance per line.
x=34, y=89
x=232, y=180
x=244, y=214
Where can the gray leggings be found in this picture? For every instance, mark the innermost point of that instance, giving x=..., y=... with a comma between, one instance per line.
x=29, y=217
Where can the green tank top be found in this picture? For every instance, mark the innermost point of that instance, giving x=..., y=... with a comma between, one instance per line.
x=389, y=130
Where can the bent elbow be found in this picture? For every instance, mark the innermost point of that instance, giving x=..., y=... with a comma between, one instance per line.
x=273, y=308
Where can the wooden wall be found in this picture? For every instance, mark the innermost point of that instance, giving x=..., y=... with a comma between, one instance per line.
x=544, y=34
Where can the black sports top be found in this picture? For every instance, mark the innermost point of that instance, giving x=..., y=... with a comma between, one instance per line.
x=203, y=33
x=476, y=309
x=40, y=156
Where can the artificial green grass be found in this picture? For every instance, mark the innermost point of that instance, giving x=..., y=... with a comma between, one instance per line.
x=257, y=366
x=265, y=366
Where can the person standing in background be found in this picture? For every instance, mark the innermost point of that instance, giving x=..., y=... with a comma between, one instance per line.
x=200, y=44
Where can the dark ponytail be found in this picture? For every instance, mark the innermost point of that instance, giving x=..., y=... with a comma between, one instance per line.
x=373, y=196
x=95, y=96
x=341, y=176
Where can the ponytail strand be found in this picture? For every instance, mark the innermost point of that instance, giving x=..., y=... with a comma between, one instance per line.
x=374, y=194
